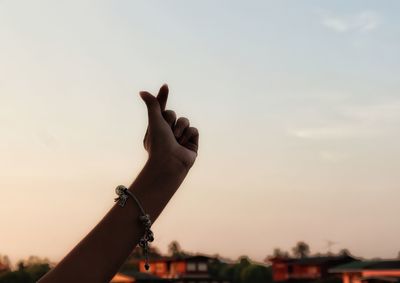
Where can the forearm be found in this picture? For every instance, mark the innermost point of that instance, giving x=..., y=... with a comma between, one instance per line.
x=100, y=254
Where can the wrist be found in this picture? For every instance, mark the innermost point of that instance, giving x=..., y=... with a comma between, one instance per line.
x=168, y=165
x=160, y=175
x=157, y=183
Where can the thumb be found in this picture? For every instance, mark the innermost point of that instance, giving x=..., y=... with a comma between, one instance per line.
x=153, y=106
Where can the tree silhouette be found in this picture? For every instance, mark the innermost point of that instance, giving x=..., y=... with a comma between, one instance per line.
x=256, y=274
x=28, y=271
x=244, y=262
x=280, y=253
x=344, y=252
x=301, y=250
x=174, y=248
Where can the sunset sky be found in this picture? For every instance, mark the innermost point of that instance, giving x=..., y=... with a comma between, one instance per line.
x=297, y=104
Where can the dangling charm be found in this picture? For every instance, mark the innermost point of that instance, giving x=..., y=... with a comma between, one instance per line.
x=147, y=237
x=123, y=194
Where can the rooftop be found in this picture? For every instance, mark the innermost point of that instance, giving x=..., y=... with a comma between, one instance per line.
x=367, y=265
x=197, y=257
x=313, y=260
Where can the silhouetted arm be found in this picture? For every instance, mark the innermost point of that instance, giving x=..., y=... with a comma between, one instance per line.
x=101, y=253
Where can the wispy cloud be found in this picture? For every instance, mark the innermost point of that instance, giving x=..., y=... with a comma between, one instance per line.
x=332, y=156
x=364, y=21
x=356, y=121
x=330, y=132
x=377, y=113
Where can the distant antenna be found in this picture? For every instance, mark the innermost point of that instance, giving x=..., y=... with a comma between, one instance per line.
x=330, y=244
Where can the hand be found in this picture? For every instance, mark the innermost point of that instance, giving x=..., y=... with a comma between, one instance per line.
x=168, y=138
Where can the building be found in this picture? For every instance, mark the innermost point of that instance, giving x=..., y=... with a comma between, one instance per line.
x=182, y=269
x=306, y=269
x=372, y=271
x=136, y=277
x=4, y=267
x=122, y=278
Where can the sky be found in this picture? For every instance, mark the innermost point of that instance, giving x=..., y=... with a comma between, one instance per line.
x=297, y=104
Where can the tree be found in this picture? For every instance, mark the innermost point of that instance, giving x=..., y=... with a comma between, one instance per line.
x=175, y=250
x=256, y=274
x=215, y=268
x=227, y=271
x=36, y=271
x=35, y=260
x=16, y=277
x=21, y=265
x=280, y=253
x=344, y=252
x=244, y=262
x=301, y=250
x=29, y=271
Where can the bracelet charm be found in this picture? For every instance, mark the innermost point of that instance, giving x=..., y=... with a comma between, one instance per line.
x=123, y=194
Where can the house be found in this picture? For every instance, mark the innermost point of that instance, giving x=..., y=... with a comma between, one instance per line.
x=4, y=267
x=372, y=271
x=182, y=269
x=136, y=277
x=122, y=278
x=307, y=268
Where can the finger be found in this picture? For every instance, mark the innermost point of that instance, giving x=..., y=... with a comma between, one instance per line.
x=145, y=138
x=170, y=117
x=195, y=140
x=163, y=96
x=190, y=134
x=153, y=107
x=190, y=139
x=181, y=124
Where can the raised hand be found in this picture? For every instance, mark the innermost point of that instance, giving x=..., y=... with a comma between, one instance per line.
x=168, y=138
x=172, y=145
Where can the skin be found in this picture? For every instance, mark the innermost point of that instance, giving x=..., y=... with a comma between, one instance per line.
x=172, y=149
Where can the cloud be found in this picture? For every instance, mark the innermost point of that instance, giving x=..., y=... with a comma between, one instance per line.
x=364, y=21
x=354, y=121
x=336, y=24
x=329, y=132
x=377, y=113
x=332, y=156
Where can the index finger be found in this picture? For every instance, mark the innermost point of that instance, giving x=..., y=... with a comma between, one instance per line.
x=162, y=96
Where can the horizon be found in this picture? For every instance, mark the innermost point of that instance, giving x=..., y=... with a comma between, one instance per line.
x=297, y=105
x=184, y=253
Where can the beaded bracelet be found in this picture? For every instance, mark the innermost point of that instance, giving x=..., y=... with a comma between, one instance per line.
x=123, y=194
